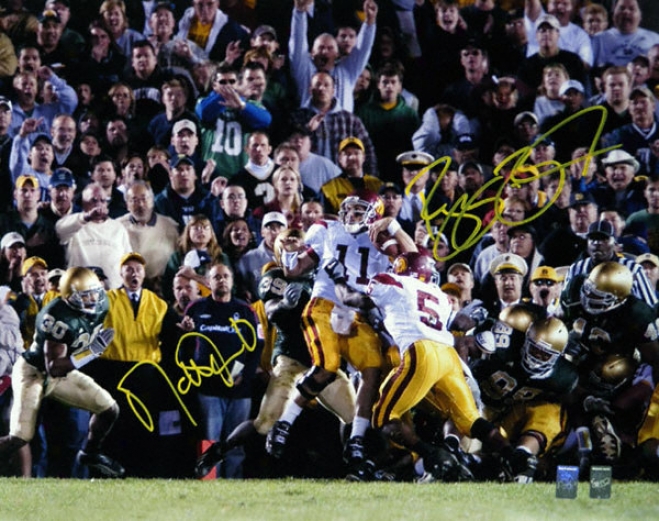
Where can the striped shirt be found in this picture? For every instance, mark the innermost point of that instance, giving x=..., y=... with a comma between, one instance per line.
x=641, y=287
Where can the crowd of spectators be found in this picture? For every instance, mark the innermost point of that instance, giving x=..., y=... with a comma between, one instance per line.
x=152, y=140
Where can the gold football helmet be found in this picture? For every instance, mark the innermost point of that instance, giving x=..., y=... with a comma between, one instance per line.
x=613, y=372
x=607, y=287
x=81, y=289
x=545, y=341
x=517, y=316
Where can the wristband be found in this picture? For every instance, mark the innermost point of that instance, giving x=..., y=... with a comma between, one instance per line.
x=289, y=259
x=393, y=227
x=82, y=358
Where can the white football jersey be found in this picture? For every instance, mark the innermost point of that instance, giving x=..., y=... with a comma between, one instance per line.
x=412, y=310
x=362, y=260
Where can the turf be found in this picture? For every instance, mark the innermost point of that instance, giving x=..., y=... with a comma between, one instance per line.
x=298, y=500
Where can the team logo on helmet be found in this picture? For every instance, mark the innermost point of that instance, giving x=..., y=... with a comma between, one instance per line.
x=82, y=290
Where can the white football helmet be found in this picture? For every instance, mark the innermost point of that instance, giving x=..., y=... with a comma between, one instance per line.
x=367, y=204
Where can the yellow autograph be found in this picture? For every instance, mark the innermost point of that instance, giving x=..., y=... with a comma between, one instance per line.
x=193, y=373
x=465, y=204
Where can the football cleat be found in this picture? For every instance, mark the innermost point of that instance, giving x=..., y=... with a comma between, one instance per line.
x=442, y=465
x=462, y=471
x=519, y=467
x=101, y=463
x=367, y=471
x=211, y=457
x=355, y=452
x=607, y=442
x=275, y=441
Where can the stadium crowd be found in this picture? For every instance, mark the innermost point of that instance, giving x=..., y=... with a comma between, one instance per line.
x=363, y=239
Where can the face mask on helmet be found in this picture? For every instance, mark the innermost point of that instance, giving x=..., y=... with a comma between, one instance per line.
x=357, y=213
x=608, y=285
x=612, y=373
x=81, y=289
x=545, y=341
x=595, y=301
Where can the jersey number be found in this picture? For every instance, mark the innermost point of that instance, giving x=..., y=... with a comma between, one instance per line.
x=229, y=138
x=363, y=264
x=429, y=316
x=56, y=328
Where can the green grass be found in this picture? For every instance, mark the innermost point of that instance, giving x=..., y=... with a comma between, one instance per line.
x=302, y=500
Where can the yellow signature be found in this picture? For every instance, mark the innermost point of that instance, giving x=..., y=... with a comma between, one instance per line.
x=193, y=373
x=463, y=206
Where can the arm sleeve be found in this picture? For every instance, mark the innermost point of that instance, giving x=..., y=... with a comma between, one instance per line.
x=357, y=60
x=428, y=135
x=67, y=226
x=298, y=49
x=68, y=99
x=256, y=116
x=209, y=108
x=20, y=148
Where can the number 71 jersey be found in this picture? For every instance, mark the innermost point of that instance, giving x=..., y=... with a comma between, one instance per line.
x=412, y=310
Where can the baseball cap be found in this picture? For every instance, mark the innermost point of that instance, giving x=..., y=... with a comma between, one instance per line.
x=57, y=272
x=176, y=160
x=30, y=263
x=508, y=262
x=414, y=158
x=580, y=198
x=459, y=266
x=40, y=136
x=98, y=271
x=264, y=29
x=26, y=178
x=274, y=217
x=184, y=124
x=571, y=84
x=469, y=164
x=451, y=289
x=515, y=14
x=648, y=257
x=549, y=19
x=524, y=227
x=600, y=228
x=545, y=273
x=303, y=130
x=61, y=177
x=466, y=142
x=391, y=186
x=352, y=141
x=473, y=42
x=49, y=16
x=11, y=238
x=163, y=5
x=620, y=156
x=527, y=114
x=133, y=255
x=6, y=102
x=643, y=91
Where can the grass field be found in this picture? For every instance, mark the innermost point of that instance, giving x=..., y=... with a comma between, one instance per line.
x=302, y=500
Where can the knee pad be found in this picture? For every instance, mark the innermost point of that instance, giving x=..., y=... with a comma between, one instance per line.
x=311, y=384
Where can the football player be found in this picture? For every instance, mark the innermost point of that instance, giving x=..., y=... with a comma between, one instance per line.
x=284, y=298
x=607, y=319
x=415, y=314
x=523, y=387
x=350, y=250
x=69, y=334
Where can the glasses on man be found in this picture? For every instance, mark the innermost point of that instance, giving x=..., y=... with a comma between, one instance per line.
x=472, y=52
x=225, y=81
x=544, y=282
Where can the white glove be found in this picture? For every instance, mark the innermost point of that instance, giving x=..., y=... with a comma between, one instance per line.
x=292, y=295
x=289, y=259
x=102, y=341
x=485, y=342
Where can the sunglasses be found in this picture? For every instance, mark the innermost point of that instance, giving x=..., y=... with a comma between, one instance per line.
x=544, y=282
x=227, y=82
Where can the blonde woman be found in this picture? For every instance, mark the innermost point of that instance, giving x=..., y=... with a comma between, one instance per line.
x=288, y=196
x=196, y=252
x=113, y=13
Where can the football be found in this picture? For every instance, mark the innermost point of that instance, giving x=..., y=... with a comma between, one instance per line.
x=387, y=244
